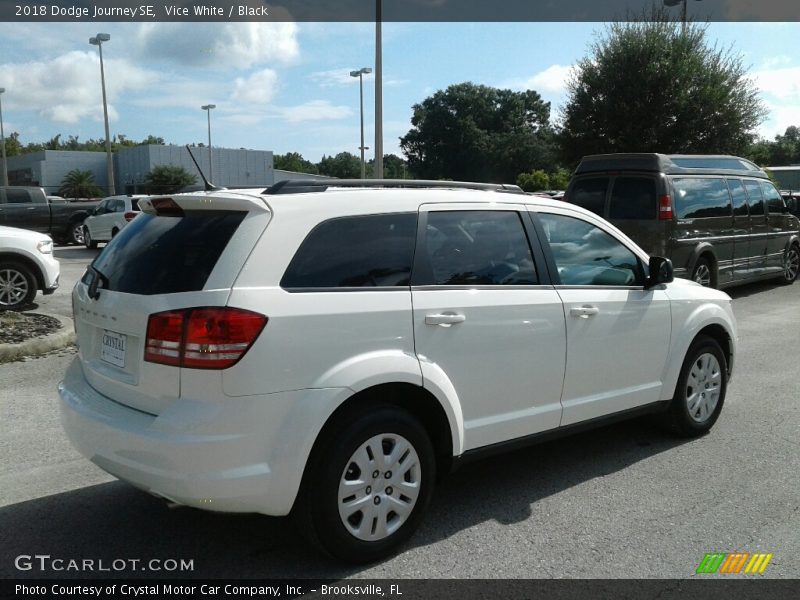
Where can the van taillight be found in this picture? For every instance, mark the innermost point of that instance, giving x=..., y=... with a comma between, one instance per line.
x=201, y=338
x=130, y=216
x=664, y=208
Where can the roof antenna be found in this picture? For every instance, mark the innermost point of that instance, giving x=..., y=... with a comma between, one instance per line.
x=209, y=187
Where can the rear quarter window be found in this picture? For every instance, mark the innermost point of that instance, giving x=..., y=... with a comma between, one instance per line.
x=166, y=255
x=360, y=251
x=697, y=197
x=590, y=193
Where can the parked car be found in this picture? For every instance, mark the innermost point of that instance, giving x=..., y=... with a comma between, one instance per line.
x=792, y=201
x=29, y=208
x=719, y=218
x=108, y=218
x=329, y=352
x=26, y=265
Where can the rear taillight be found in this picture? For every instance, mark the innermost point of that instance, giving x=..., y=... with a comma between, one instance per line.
x=664, y=208
x=201, y=338
x=130, y=216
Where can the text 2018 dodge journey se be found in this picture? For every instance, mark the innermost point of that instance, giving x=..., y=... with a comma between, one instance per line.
x=329, y=351
x=718, y=218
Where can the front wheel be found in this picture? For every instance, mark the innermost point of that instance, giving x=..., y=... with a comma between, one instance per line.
x=17, y=286
x=76, y=233
x=791, y=264
x=701, y=389
x=367, y=485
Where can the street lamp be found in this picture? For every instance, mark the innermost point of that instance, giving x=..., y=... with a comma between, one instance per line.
x=378, y=171
x=360, y=74
x=207, y=108
x=3, y=139
x=98, y=41
x=684, y=12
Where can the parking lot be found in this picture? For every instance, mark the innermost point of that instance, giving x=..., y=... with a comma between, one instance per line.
x=624, y=501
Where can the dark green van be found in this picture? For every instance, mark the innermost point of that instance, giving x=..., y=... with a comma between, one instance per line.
x=718, y=218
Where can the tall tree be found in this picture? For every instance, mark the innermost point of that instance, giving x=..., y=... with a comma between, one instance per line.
x=655, y=86
x=168, y=179
x=479, y=133
x=344, y=166
x=294, y=161
x=79, y=184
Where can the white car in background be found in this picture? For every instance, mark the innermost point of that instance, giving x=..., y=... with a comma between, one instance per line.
x=26, y=265
x=109, y=217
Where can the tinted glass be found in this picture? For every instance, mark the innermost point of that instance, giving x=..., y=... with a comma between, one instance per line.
x=754, y=197
x=590, y=194
x=739, y=197
x=586, y=255
x=135, y=204
x=701, y=197
x=633, y=198
x=17, y=196
x=736, y=164
x=364, y=251
x=773, y=198
x=165, y=255
x=478, y=248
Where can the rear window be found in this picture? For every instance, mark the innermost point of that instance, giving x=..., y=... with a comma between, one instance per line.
x=135, y=204
x=590, y=193
x=701, y=197
x=363, y=251
x=166, y=255
x=633, y=198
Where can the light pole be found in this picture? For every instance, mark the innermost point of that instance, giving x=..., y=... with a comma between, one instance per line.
x=98, y=41
x=207, y=108
x=3, y=139
x=378, y=174
x=684, y=11
x=360, y=74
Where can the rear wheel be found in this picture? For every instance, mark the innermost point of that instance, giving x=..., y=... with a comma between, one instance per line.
x=703, y=273
x=791, y=264
x=701, y=389
x=17, y=286
x=76, y=233
x=367, y=485
x=87, y=239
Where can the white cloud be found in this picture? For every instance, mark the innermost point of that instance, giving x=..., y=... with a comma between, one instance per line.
x=336, y=77
x=258, y=89
x=783, y=83
x=228, y=45
x=553, y=79
x=316, y=110
x=67, y=88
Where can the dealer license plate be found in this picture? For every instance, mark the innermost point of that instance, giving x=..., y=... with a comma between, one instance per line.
x=112, y=349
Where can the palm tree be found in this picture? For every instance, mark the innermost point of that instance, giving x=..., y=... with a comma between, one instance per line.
x=79, y=184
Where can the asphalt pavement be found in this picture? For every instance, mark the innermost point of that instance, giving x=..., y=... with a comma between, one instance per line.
x=626, y=501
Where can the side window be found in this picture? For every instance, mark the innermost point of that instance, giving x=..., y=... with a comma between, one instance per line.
x=590, y=193
x=478, y=247
x=739, y=197
x=17, y=196
x=101, y=208
x=754, y=197
x=586, y=255
x=633, y=198
x=363, y=251
x=773, y=197
x=119, y=205
x=697, y=197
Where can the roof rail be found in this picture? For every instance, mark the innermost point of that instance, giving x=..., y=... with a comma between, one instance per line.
x=304, y=186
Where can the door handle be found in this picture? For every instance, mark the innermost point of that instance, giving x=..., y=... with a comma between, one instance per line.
x=584, y=312
x=444, y=320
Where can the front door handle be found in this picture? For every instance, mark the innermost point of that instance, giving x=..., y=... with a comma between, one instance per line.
x=445, y=319
x=584, y=312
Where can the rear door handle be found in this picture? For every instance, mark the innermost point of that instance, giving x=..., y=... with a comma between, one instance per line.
x=445, y=319
x=584, y=312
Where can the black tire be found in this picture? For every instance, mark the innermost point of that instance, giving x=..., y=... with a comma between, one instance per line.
x=76, y=233
x=704, y=273
x=17, y=286
x=87, y=239
x=679, y=417
x=317, y=508
x=791, y=264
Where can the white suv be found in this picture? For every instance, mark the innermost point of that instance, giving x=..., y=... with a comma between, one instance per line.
x=329, y=351
x=109, y=218
x=26, y=265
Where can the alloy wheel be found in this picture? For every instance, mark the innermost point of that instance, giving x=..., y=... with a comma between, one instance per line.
x=379, y=487
x=791, y=264
x=702, y=275
x=703, y=387
x=14, y=287
x=77, y=233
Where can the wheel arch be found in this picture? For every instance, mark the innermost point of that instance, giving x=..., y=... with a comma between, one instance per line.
x=703, y=250
x=23, y=259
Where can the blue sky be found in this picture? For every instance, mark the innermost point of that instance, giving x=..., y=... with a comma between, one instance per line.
x=285, y=86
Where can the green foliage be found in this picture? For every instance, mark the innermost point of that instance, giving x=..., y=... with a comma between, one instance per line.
x=79, y=184
x=649, y=86
x=294, y=161
x=534, y=182
x=168, y=179
x=344, y=166
x=478, y=133
x=13, y=147
x=783, y=151
x=118, y=142
x=559, y=179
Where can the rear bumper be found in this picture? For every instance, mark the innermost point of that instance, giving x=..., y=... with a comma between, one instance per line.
x=233, y=455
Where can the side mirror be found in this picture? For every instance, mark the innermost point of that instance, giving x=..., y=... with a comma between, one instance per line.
x=660, y=272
